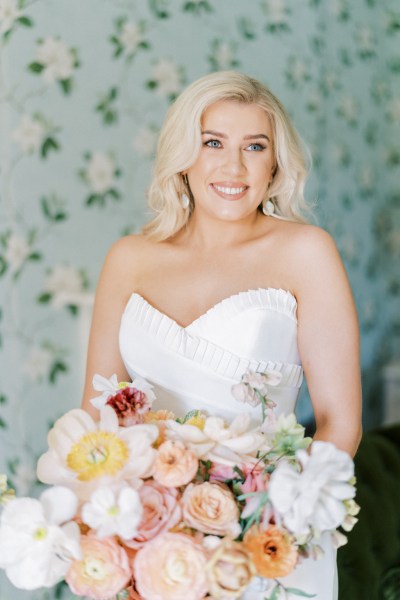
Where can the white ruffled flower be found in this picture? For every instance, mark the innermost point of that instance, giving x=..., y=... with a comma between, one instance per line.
x=145, y=142
x=100, y=172
x=109, y=387
x=57, y=59
x=131, y=36
x=29, y=134
x=221, y=443
x=313, y=498
x=251, y=381
x=17, y=251
x=9, y=12
x=37, y=543
x=38, y=363
x=114, y=513
x=84, y=454
x=65, y=284
x=166, y=74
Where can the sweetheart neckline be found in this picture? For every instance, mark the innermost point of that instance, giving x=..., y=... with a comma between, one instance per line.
x=211, y=309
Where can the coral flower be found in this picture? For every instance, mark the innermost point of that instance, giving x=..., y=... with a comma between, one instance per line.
x=171, y=567
x=271, y=551
x=211, y=508
x=175, y=465
x=103, y=571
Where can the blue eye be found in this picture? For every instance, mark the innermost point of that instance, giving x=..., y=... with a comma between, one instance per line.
x=213, y=143
x=257, y=147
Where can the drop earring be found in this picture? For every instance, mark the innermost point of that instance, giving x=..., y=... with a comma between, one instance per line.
x=268, y=207
x=185, y=201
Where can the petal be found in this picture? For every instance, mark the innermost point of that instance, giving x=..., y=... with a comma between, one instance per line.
x=108, y=419
x=60, y=504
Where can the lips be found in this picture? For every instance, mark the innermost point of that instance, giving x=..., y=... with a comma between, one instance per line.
x=230, y=190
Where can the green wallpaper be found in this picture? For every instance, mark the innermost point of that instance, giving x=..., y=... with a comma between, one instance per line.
x=84, y=89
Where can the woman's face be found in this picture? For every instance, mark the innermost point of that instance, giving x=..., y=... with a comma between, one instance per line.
x=235, y=165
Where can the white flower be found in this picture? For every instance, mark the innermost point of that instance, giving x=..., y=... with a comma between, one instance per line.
x=298, y=71
x=100, y=172
x=38, y=363
x=24, y=478
x=64, y=283
x=17, y=251
x=349, y=109
x=35, y=547
x=313, y=498
x=394, y=110
x=84, y=454
x=9, y=12
x=276, y=11
x=223, y=55
x=225, y=444
x=29, y=134
x=365, y=40
x=251, y=381
x=131, y=36
x=166, y=74
x=109, y=387
x=145, y=142
x=366, y=178
x=114, y=513
x=57, y=59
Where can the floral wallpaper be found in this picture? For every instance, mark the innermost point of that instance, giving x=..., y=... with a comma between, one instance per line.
x=84, y=87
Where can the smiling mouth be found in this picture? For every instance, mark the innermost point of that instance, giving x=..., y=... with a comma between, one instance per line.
x=230, y=193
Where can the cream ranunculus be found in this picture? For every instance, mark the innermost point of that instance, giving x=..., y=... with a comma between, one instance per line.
x=226, y=444
x=315, y=497
x=37, y=543
x=84, y=454
x=171, y=567
x=211, y=508
x=229, y=570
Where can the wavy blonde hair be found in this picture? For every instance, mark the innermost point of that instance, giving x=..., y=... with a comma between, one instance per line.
x=179, y=145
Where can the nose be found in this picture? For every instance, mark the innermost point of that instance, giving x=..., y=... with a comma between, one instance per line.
x=233, y=162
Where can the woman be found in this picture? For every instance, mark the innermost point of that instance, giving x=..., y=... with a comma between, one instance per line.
x=229, y=275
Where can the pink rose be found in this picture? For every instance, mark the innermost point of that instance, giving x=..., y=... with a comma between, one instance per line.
x=211, y=508
x=171, y=567
x=102, y=572
x=221, y=472
x=161, y=512
x=131, y=406
x=175, y=465
x=256, y=480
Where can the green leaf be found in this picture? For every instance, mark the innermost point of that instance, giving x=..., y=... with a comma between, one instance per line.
x=44, y=298
x=73, y=309
x=3, y=424
x=35, y=256
x=25, y=21
x=66, y=85
x=36, y=67
x=3, y=265
x=57, y=368
x=275, y=593
x=49, y=144
x=3, y=399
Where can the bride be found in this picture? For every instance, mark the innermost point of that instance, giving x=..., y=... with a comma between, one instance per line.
x=229, y=275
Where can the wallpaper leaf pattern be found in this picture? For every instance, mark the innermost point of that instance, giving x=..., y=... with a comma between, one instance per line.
x=84, y=87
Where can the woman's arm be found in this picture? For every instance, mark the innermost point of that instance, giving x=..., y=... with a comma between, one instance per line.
x=114, y=288
x=328, y=339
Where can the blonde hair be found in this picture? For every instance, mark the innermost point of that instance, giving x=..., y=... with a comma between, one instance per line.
x=180, y=142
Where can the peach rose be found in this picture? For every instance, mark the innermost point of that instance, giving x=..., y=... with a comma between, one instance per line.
x=171, y=567
x=211, y=508
x=161, y=511
x=175, y=465
x=229, y=570
x=103, y=570
x=271, y=551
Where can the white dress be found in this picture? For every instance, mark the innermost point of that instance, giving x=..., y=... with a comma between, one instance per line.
x=196, y=366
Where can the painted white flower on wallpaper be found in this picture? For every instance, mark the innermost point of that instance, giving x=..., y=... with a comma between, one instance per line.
x=38, y=363
x=17, y=251
x=64, y=287
x=29, y=134
x=100, y=174
x=55, y=62
x=166, y=78
x=145, y=141
x=129, y=37
x=9, y=13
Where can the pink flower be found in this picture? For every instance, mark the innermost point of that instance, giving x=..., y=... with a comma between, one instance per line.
x=256, y=481
x=103, y=570
x=221, y=472
x=175, y=465
x=161, y=512
x=131, y=405
x=171, y=567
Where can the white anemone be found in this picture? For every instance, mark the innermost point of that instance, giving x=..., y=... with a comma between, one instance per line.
x=84, y=455
x=114, y=513
x=37, y=544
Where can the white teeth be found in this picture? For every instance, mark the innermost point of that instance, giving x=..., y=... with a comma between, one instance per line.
x=231, y=191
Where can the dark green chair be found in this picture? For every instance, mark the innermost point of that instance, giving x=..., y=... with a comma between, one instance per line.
x=369, y=564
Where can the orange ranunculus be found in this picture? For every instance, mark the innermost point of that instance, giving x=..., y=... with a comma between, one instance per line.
x=271, y=551
x=175, y=465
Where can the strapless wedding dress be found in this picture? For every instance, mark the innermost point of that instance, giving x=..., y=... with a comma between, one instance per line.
x=196, y=366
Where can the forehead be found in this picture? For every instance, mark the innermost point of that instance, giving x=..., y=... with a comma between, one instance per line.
x=227, y=115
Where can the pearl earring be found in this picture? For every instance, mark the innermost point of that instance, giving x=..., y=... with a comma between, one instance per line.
x=268, y=207
x=185, y=200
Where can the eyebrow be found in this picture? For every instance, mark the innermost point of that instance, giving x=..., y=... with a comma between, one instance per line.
x=246, y=137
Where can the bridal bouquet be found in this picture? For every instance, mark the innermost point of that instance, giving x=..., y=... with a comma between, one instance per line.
x=147, y=505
